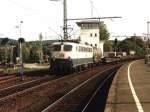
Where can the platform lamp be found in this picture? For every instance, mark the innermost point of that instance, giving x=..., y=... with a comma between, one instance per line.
x=147, y=43
x=148, y=29
x=41, y=49
x=21, y=41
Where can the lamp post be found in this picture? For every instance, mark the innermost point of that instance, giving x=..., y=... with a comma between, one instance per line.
x=41, y=49
x=147, y=43
x=21, y=40
x=148, y=29
x=12, y=54
x=135, y=48
x=19, y=27
x=20, y=43
x=148, y=32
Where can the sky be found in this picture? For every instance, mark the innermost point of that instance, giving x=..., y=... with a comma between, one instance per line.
x=47, y=17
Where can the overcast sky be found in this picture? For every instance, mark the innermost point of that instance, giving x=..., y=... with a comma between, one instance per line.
x=46, y=16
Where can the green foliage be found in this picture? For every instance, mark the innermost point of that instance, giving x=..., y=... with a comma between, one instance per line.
x=126, y=46
x=107, y=46
x=26, y=52
x=31, y=52
x=133, y=43
x=104, y=34
x=4, y=41
x=34, y=53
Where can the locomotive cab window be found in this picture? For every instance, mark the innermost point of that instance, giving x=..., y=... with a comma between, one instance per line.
x=67, y=47
x=56, y=48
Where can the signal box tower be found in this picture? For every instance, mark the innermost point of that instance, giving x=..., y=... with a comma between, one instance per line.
x=90, y=33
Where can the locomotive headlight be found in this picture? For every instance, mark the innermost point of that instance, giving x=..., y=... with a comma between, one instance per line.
x=53, y=58
x=69, y=58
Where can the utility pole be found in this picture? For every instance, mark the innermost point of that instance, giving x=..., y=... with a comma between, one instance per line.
x=41, y=48
x=148, y=29
x=147, y=40
x=65, y=21
x=20, y=44
x=65, y=27
x=147, y=45
x=12, y=54
x=135, y=49
x=20, y=53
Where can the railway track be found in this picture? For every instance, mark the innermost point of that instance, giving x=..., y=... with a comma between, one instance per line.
x=98, y=98
x=22, y=86
x=2, y=78
x=15, y=80
x=34, y=97
x=83, y=98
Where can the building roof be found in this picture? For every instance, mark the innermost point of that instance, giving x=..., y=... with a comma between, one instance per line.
x=87, y=22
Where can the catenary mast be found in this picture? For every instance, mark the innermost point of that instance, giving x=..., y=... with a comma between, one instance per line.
x=65, y=20
x=65, y=33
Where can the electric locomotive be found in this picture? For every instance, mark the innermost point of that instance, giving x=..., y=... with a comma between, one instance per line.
x=67, y=57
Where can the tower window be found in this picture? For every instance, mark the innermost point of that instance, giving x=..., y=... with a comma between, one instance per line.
x=90, y=34
x=95, y=34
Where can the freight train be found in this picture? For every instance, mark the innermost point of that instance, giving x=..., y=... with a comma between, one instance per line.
x=70, y=56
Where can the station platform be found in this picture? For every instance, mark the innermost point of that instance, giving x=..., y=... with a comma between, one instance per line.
x=130, y=89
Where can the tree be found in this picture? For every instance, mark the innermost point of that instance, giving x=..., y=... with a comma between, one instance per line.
x=34, y=53
x=26, y=52
x=104, y=34
x=107, y=46
x=133, y=43
x=126, y=45
x=4, y=43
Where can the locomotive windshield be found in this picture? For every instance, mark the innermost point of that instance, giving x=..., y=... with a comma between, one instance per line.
x=56, y=48
x=67, y=47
